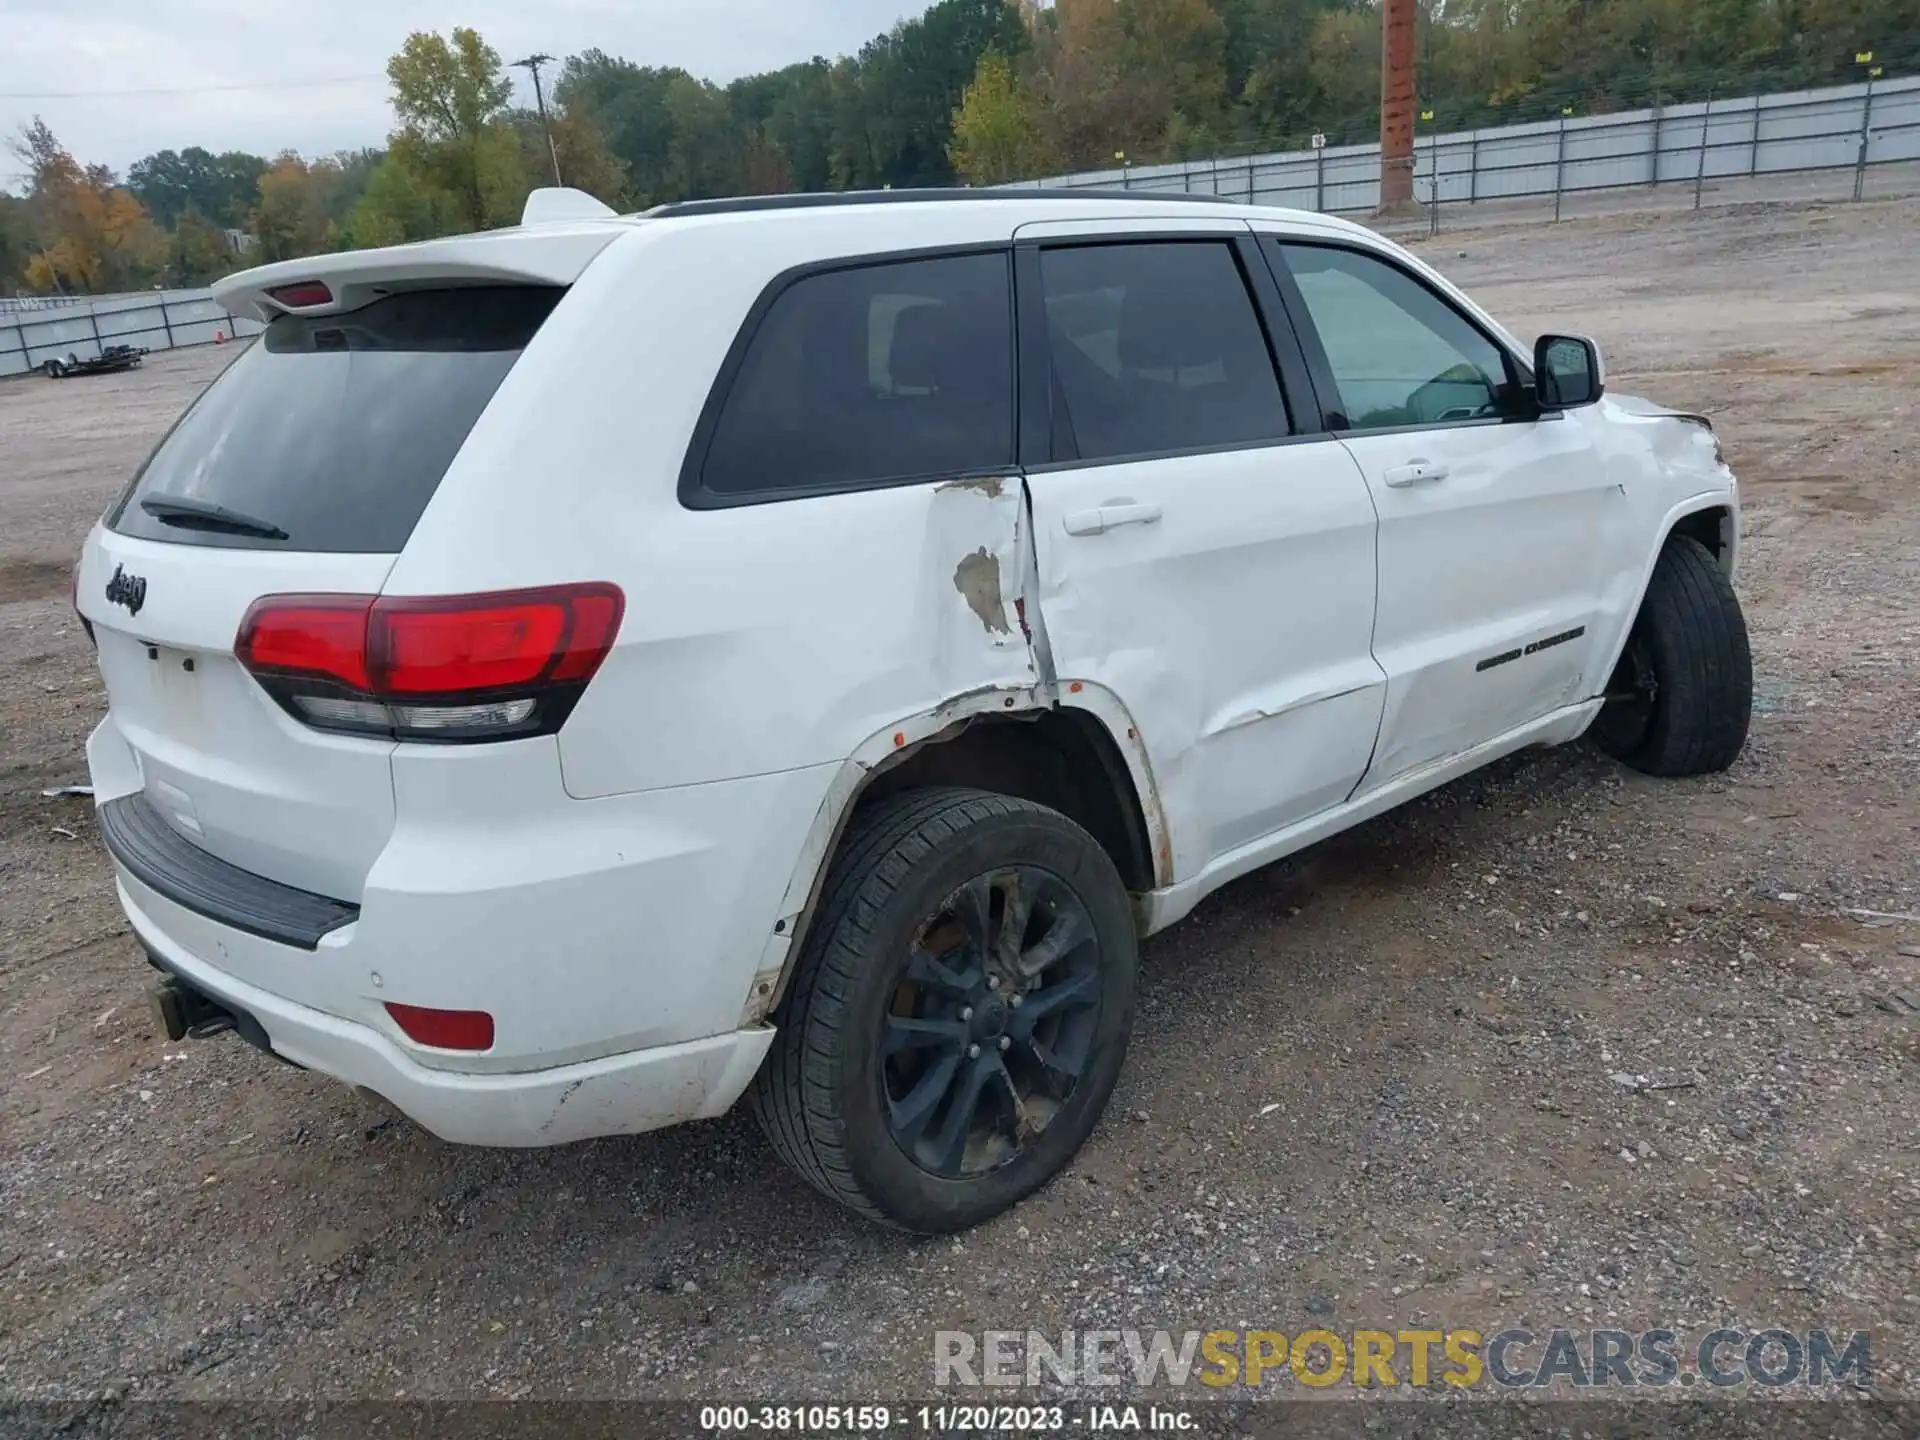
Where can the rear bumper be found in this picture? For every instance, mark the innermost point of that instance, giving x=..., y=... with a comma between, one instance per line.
x=614, y=1095
x=615, y=942
x=166, y=862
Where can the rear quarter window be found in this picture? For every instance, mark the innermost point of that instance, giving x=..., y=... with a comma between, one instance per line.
x=336, y=429
x=873, y=374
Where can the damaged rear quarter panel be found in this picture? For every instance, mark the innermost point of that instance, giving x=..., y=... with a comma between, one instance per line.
x=784, y=635
x=810, y=636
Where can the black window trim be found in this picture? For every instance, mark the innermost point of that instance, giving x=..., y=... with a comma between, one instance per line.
x=1326, y=389
x=1043, y=452
x=693, y=493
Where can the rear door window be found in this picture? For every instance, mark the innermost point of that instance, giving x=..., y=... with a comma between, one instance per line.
x=335, y=430
x=873, y=375
x=1158, y=348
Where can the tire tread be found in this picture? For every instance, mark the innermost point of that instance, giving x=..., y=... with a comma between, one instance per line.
x=791, y=1096
x=1691, y=620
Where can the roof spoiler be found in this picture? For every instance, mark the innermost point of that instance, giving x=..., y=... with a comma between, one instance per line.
x=553, y=252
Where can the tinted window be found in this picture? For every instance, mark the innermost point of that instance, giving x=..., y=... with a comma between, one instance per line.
x=1400, y=354
x=336, y=429
x=885, y=372
x=1157, y=347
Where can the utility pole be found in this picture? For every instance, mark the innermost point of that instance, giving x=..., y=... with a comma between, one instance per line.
x=532, y=64
x=1399, y=33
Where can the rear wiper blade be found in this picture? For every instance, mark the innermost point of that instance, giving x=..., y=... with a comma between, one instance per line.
x=206, y=515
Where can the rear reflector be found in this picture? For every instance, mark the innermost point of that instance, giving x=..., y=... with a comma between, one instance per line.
x=445, y=668
x=444, y=1029
x=302, y=295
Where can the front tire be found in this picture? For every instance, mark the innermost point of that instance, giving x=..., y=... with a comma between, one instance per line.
x=1682, y=696
x=959, y=1014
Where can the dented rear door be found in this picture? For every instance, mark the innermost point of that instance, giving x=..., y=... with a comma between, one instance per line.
x=1199, y=553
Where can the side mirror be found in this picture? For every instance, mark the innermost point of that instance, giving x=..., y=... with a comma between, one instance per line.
x=1567, y=372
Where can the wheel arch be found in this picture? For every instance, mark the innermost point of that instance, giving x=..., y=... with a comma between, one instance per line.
x=1714, y=525
x=1082, y=756
x=1713, y=519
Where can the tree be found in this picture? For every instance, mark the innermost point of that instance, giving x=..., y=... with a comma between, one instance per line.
x=85, y=232
x=342, y=178
x=451, y=100
x=393, y=209
x=706, y=153
x=291, y=219
x=16, y=244
x=198, y=252
x=585, y=161
x=1343, y=65
x=1143, y=77
x=221, y=188
x=996, y=130
x=883, y=117
x=626, y=103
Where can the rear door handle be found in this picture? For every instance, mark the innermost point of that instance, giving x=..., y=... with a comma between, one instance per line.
x=1414, y=472
x=1109, y=516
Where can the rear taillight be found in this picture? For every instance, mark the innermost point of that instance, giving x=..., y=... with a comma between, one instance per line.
x=453, y=668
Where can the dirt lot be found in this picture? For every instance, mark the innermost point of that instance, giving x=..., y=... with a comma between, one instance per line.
x=1374, y=1086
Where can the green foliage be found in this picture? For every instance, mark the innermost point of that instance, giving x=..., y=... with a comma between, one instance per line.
x=585, y=161
x=882, y=118
x=979, y=90
x=451, y=100
x=198, y=252
x=16, y=244
x=394, y=209
x=221, y=188
x=996, y=130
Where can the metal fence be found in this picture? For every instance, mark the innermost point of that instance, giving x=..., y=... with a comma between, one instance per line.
x=36, y=330
x=1847, y=127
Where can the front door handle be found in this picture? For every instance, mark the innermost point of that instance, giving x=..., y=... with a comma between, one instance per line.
x=1114, y=513
x=1415, y=472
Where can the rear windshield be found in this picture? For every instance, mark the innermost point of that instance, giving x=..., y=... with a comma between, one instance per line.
x=333, y=431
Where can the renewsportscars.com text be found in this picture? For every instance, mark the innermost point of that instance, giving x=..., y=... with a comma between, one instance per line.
x=1511, y=1358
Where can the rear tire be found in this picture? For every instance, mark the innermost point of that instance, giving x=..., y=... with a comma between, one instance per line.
x=1684, y=686
x=959, y=1013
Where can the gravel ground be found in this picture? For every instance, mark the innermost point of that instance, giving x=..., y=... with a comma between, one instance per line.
x=1558, y=1045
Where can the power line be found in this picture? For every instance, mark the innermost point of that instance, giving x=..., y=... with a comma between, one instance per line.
x=185, y=89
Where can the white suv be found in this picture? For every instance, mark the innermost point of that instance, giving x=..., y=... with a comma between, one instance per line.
x=566, y=679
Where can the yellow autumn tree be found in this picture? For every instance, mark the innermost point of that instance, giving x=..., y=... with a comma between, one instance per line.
x=290, y=218
x=88, y=234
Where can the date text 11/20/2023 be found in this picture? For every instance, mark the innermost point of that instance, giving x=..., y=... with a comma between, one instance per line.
x=861, y=1420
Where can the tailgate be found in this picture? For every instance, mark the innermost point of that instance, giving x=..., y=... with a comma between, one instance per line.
x=302, y=471
x=221, y=761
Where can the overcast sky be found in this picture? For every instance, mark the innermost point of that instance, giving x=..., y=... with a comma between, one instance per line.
x=75, y=46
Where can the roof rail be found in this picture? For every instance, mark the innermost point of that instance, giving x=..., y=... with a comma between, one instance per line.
x=744, y=203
